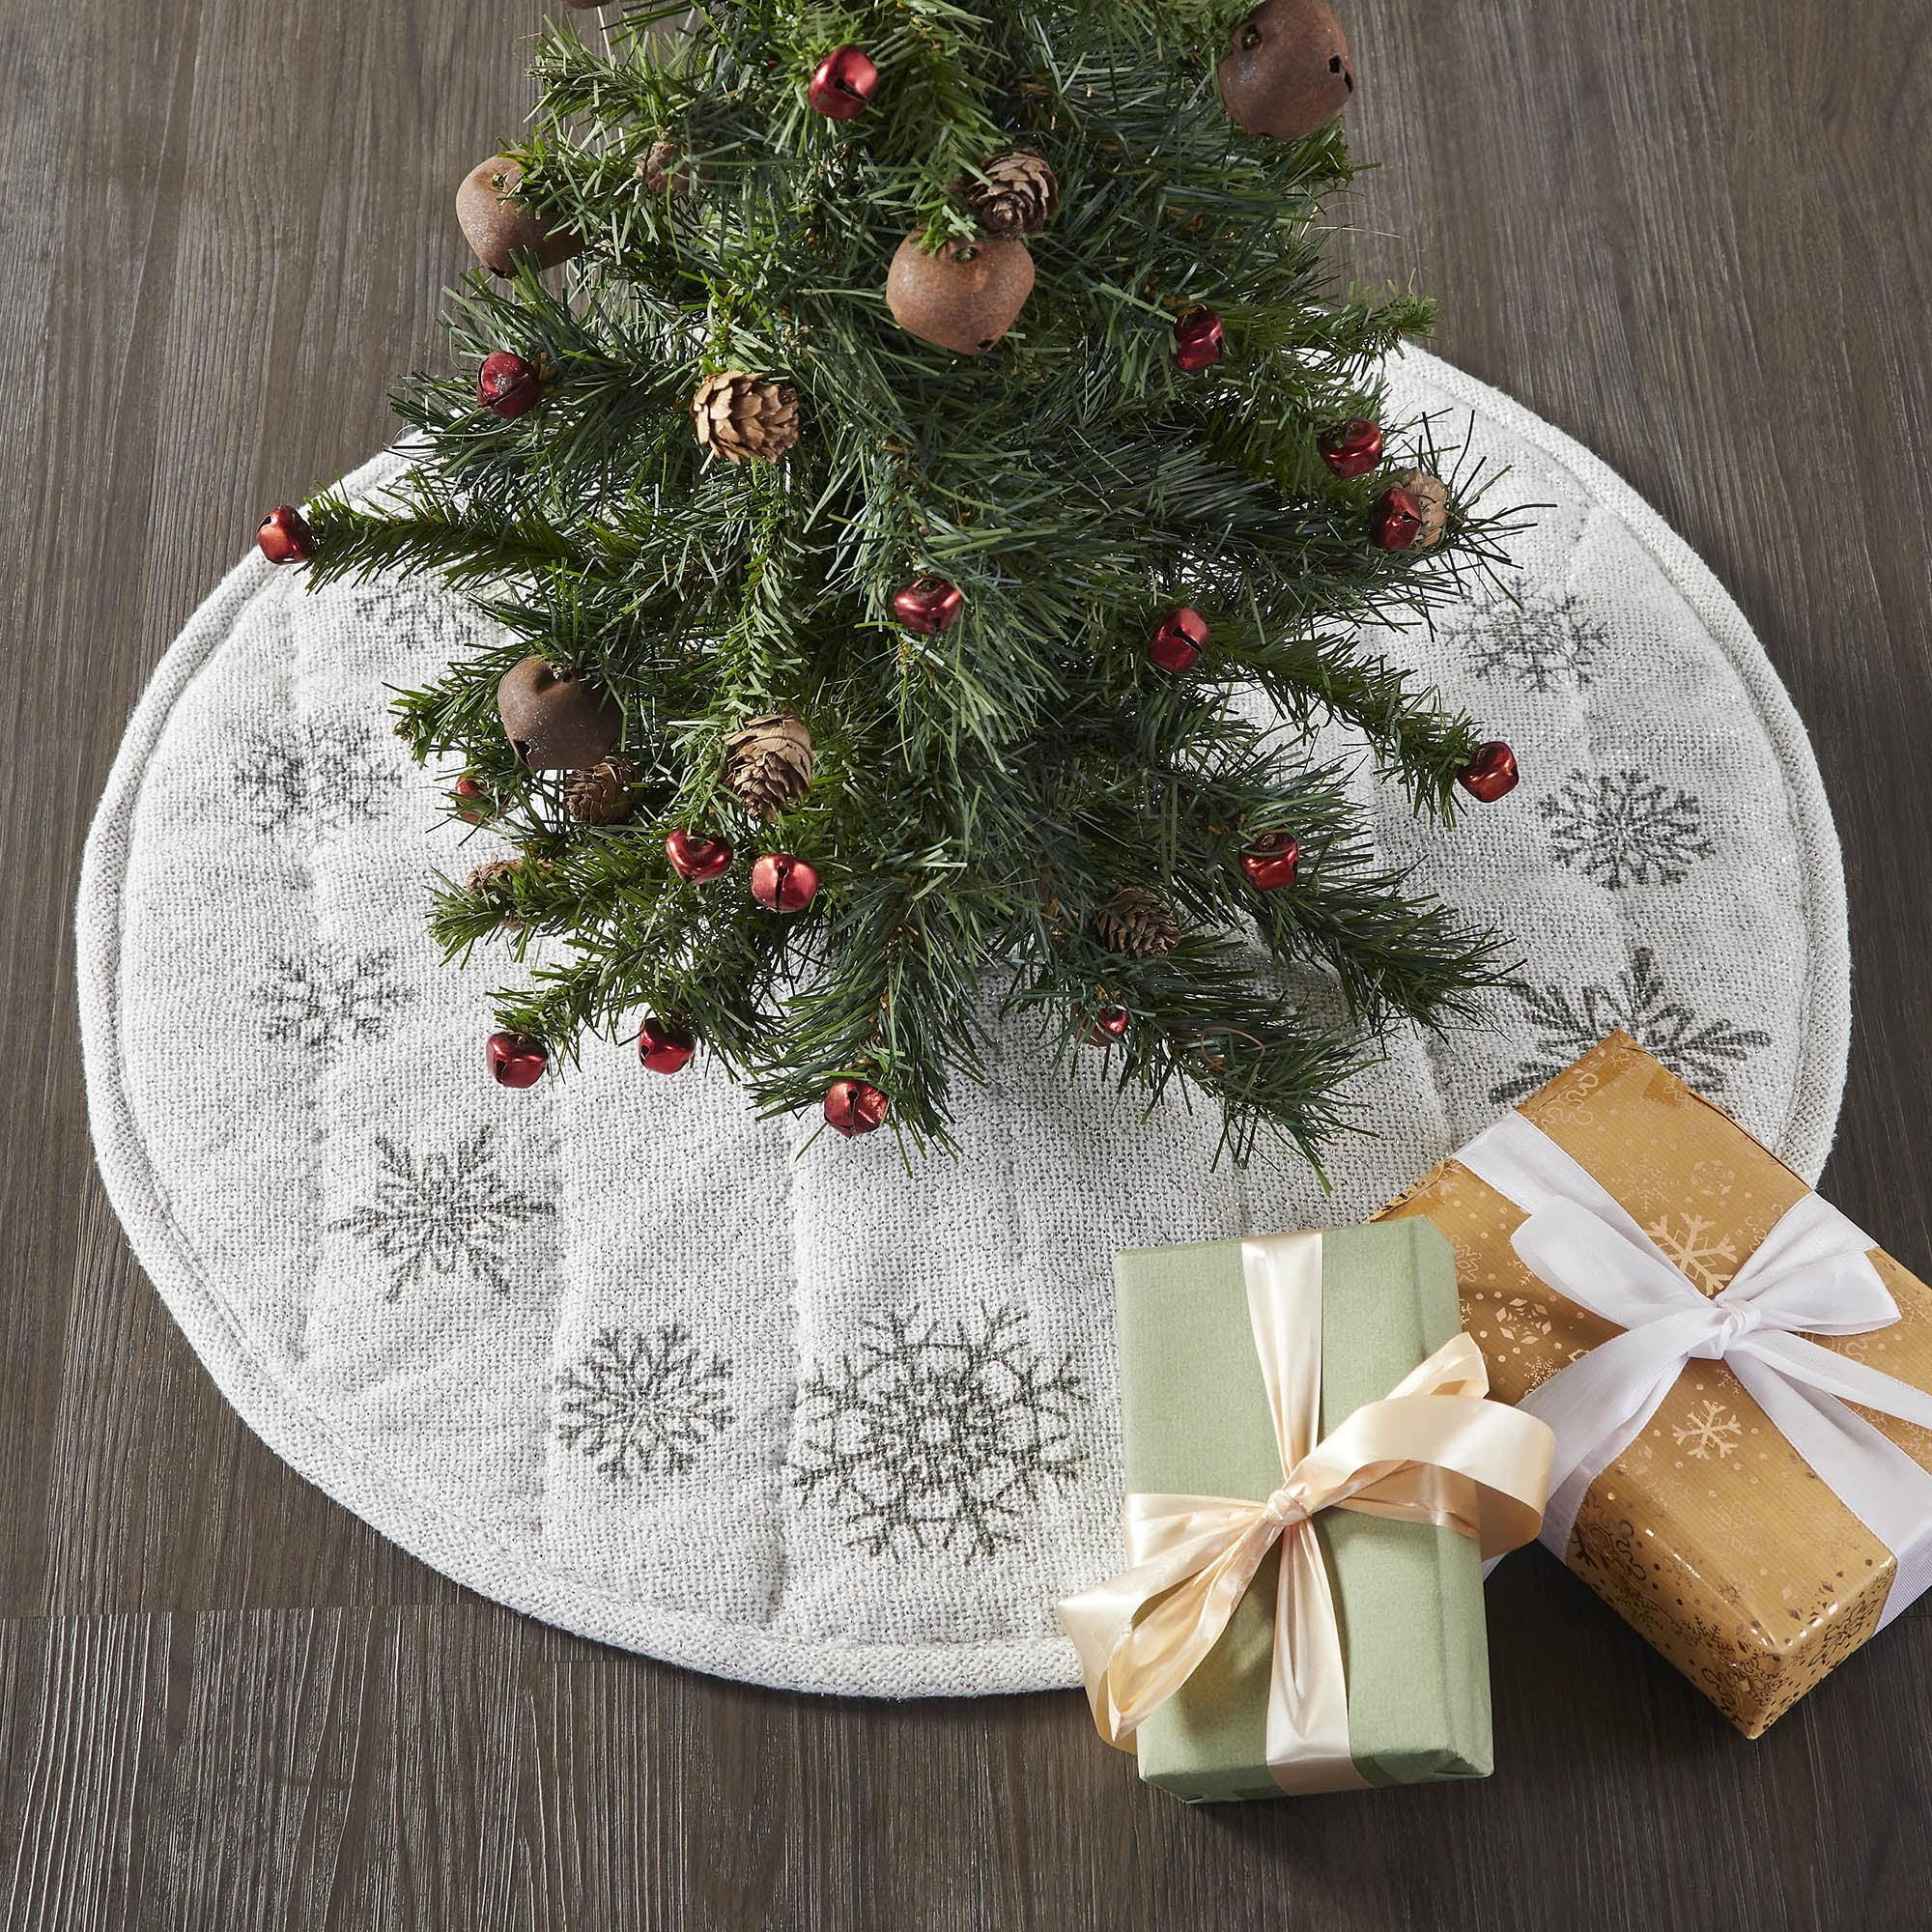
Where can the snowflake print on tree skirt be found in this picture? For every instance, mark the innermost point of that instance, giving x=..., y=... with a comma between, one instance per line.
x=1699, y=1050
x=312, y=775
x=936, y=1435
x=367, y=618
x=330, y=996
x=449, y=1214
x=638, y=1404
x=1535, y=642
x=1623, y=829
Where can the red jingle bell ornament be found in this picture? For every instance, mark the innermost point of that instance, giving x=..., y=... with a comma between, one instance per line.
x=284, y=537
x=506, y=385
x=664, y=1046
x=1176, y=639
x=842, y=83
x=1272, y=861
x=929, y=605
x=854, y=1108
x=516, y=1060
x=1200, y=340
x=782, y=883
x=1398, y=520
x=1490, y=773
x=477, y=805
x=1110, y=1023
x=697, y=855
x=1352, y=449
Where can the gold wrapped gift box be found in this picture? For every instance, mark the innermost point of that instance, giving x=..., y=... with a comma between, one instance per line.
x=1710, y=1534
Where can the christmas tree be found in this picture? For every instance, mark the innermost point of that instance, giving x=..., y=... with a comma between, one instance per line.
x=940, y=421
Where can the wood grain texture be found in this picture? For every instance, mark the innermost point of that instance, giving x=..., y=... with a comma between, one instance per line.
x=1695, y=233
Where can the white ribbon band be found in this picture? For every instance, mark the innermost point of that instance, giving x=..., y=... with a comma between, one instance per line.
x=1811, y=1275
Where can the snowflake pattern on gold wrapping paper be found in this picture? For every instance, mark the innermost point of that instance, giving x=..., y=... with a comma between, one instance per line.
x=936, y=1435
x=1709, y=1432
x=1700, y=1051
x=1698, y=1249
x=1521, y=1320
x=638, y=1404
x=1538, y=1369
x=1915, y=1438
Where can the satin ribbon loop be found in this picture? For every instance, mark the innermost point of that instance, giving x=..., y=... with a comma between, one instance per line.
x=1285, y=1509
x=1433, y=1450
x=1812, y=1274
x=1731, y=1322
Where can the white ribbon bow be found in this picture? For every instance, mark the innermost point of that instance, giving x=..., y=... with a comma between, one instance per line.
x=1812, y=1274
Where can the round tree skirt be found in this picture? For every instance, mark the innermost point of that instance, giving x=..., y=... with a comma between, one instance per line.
x=609, y=1351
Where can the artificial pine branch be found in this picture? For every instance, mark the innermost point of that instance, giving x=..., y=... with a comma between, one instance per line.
x=982, y=796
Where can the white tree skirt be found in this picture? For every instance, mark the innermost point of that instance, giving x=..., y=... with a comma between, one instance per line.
x=605, y=1351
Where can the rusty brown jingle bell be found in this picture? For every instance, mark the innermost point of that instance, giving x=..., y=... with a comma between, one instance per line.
x=966, y=296
x=498, y=229
x=556, y=721
x=1286, y=69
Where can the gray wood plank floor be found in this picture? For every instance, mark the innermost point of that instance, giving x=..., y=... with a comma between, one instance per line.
x=1696, y=232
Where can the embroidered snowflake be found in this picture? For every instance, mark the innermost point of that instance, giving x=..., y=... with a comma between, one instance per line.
x=310, y=775
x=389, y=621
x=1709, y=1434
x=330, y=996
x=938, y=1435
x=449, y=1214
x=1537, y=642
x=638, y=1404
x=1620, y=829
x=1701, y=1051
x=1696, y=1250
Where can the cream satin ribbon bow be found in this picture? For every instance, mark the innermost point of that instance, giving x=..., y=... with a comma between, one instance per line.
x=1433, y=1450
x=1812, y=1274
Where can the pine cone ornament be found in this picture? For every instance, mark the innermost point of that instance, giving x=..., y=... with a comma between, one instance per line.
x=768, y=763
x=1138, y=925
x=604, y=794
x=662, y=169
x=1018, y=195
x=744, y=417
x=482, y=877
x=485, y=879
x=1432, y=500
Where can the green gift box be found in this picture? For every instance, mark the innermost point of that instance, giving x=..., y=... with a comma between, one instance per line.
x=1409, y=1596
